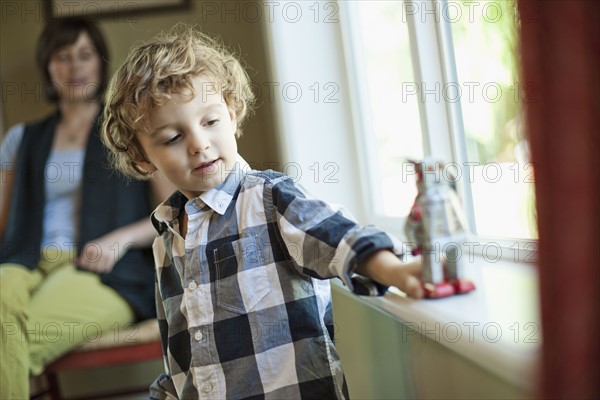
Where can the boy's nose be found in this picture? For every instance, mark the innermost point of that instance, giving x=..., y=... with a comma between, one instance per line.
x=198, y=143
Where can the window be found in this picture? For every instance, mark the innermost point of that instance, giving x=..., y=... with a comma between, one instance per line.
x=439, y=78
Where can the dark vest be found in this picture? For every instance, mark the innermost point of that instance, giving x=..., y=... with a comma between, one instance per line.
x=108, y=201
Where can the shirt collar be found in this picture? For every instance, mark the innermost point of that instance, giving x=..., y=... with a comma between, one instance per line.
x=168, y=211
x=217, y=198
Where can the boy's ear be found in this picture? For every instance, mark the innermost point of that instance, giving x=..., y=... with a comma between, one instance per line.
x=233, y=117
x=145, y=166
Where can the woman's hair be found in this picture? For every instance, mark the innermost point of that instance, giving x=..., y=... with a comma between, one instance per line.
x=156, y=70
x=63, y=32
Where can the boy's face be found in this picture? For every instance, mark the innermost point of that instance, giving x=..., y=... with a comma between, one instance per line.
x=192, y=142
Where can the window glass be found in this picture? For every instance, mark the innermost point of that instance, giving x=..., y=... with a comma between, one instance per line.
x=485, y=48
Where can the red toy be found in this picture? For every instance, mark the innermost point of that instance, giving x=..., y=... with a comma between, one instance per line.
x=436, y=229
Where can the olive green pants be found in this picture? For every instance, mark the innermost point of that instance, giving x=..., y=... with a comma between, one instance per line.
x=46, y=312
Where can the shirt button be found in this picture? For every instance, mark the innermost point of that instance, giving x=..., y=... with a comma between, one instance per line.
x=198, y=336
x=207, y=387
x=192, y=285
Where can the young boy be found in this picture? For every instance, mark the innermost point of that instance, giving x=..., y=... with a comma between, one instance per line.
x=243, y=256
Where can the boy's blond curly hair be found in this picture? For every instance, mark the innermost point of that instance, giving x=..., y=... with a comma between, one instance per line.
x=154, y=71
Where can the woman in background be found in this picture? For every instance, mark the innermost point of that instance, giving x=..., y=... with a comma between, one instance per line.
x=74, y=256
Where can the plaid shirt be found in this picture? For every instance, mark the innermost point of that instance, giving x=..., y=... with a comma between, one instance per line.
x=243, y=303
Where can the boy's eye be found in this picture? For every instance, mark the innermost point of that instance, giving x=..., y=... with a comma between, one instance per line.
x=212, y=122
x=173, y=140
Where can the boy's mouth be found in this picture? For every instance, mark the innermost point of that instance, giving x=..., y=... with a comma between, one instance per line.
x=207, y=167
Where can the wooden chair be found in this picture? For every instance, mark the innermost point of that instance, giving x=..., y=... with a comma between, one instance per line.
x=139, y=343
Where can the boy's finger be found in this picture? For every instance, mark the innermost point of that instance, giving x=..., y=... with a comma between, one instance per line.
x=413, y=288
x=414, y=267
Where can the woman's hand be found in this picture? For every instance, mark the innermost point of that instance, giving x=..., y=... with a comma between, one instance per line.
x=101, y=255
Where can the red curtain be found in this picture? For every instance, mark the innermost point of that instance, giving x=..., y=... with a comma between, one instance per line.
x=560, y=53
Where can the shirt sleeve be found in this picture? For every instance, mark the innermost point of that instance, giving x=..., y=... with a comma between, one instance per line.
x=324, y=239
x=10, y=144
x=162, y=388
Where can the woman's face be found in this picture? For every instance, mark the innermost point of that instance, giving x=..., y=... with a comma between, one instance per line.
x=75, y=70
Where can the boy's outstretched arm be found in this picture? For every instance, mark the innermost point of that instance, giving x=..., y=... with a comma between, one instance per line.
x=386, y=268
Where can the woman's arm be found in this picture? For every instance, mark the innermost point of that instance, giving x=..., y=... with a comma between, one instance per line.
x=142, y=233
x=6, y=185
x=8, y=155
x=115, y=244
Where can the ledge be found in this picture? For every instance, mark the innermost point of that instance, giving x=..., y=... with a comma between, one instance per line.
x=496, y=326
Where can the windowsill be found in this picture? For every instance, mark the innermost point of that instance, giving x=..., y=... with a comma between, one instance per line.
x=496, y=326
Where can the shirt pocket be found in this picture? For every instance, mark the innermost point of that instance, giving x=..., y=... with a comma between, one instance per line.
x=242, y=278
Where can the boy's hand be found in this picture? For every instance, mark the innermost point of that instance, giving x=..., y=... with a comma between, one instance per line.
x=384, y=267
